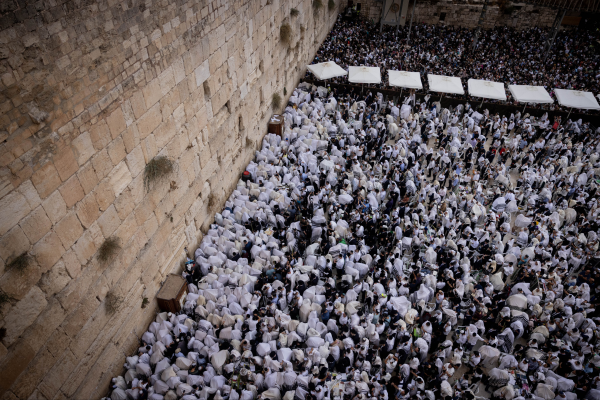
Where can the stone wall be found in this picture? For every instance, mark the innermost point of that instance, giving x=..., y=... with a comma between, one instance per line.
x=466, y=14
x=91, y=91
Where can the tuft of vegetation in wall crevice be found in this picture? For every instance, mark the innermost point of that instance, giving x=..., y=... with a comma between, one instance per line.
x=20, y=263
x=285, y=33
x=109, y=249
x=276, y=101
x=157, y=169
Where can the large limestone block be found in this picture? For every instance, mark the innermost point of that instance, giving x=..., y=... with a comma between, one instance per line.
x=87, y=178
x=135, y=161
x=116, y=122
x=48, y=251
x=46, y=179
x=109, y=221
x=83, y=147
x=71, y=191
x=55, y=280
x=14, y=206
x=65, y=163
x=120, y=177
x=88, y=210
x=23, y=314
x=55, y=207
x=13, y=244
x=69, y=229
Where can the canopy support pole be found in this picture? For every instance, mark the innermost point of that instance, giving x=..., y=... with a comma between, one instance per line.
x=400, y=99
x=412, y=14
x=555, y=27
x=383, y=14
x=524, y=109
x=571, y=109
x=481, y=105
x=479, y=25
x=399, y=16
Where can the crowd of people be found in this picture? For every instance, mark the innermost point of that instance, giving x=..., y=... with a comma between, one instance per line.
x=504, y=54
x=383, y=252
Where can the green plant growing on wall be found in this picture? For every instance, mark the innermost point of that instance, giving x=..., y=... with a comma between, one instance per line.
x=294, y=12
x=284, y=91
x=145, y=302
x=276, y=101
x=20, y=263
x=285, y=33
x=317, y=5
x=331, y=5
x=109, y=249
x=156, y=169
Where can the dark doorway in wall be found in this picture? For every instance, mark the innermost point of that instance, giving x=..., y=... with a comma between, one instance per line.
x=358, y=6
x=442, y=16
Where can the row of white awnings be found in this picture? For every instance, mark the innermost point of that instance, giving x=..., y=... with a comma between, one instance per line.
x=453, y=85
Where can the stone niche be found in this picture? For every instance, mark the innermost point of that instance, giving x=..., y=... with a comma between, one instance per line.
x=91, y=92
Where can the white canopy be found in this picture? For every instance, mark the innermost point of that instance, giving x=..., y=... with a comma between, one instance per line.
x=530, y=94
x=486, y=89
x=405, y=79
x=327, y=70
x=364, y=75
x=445, y=84
x=576, y=99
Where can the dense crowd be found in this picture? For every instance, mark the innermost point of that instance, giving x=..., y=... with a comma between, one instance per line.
x=384, y=252
x=503, y=54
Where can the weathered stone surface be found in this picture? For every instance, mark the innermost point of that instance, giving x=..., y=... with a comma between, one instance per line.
x=150, y=120
x=158, y=85
x=14, y=206
x=65, y=163
x=36, y=224
x=55, y=280
x=48, y=250
x=135, y=161
x=116, y=122
x=85, y=247
x=46, y=323
x=27, y=382
x=57, y=376
x=13, y=365
x=13, y=244
x=109, y=221
x=55, y=207
x=88, y=210
x=69, y=229
x=46, y=180
x=23, y=314
x=83, y=147
x=72, y=264
x=87, y=177
x=120, y=177
x=16, y=284
x=71, y=191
